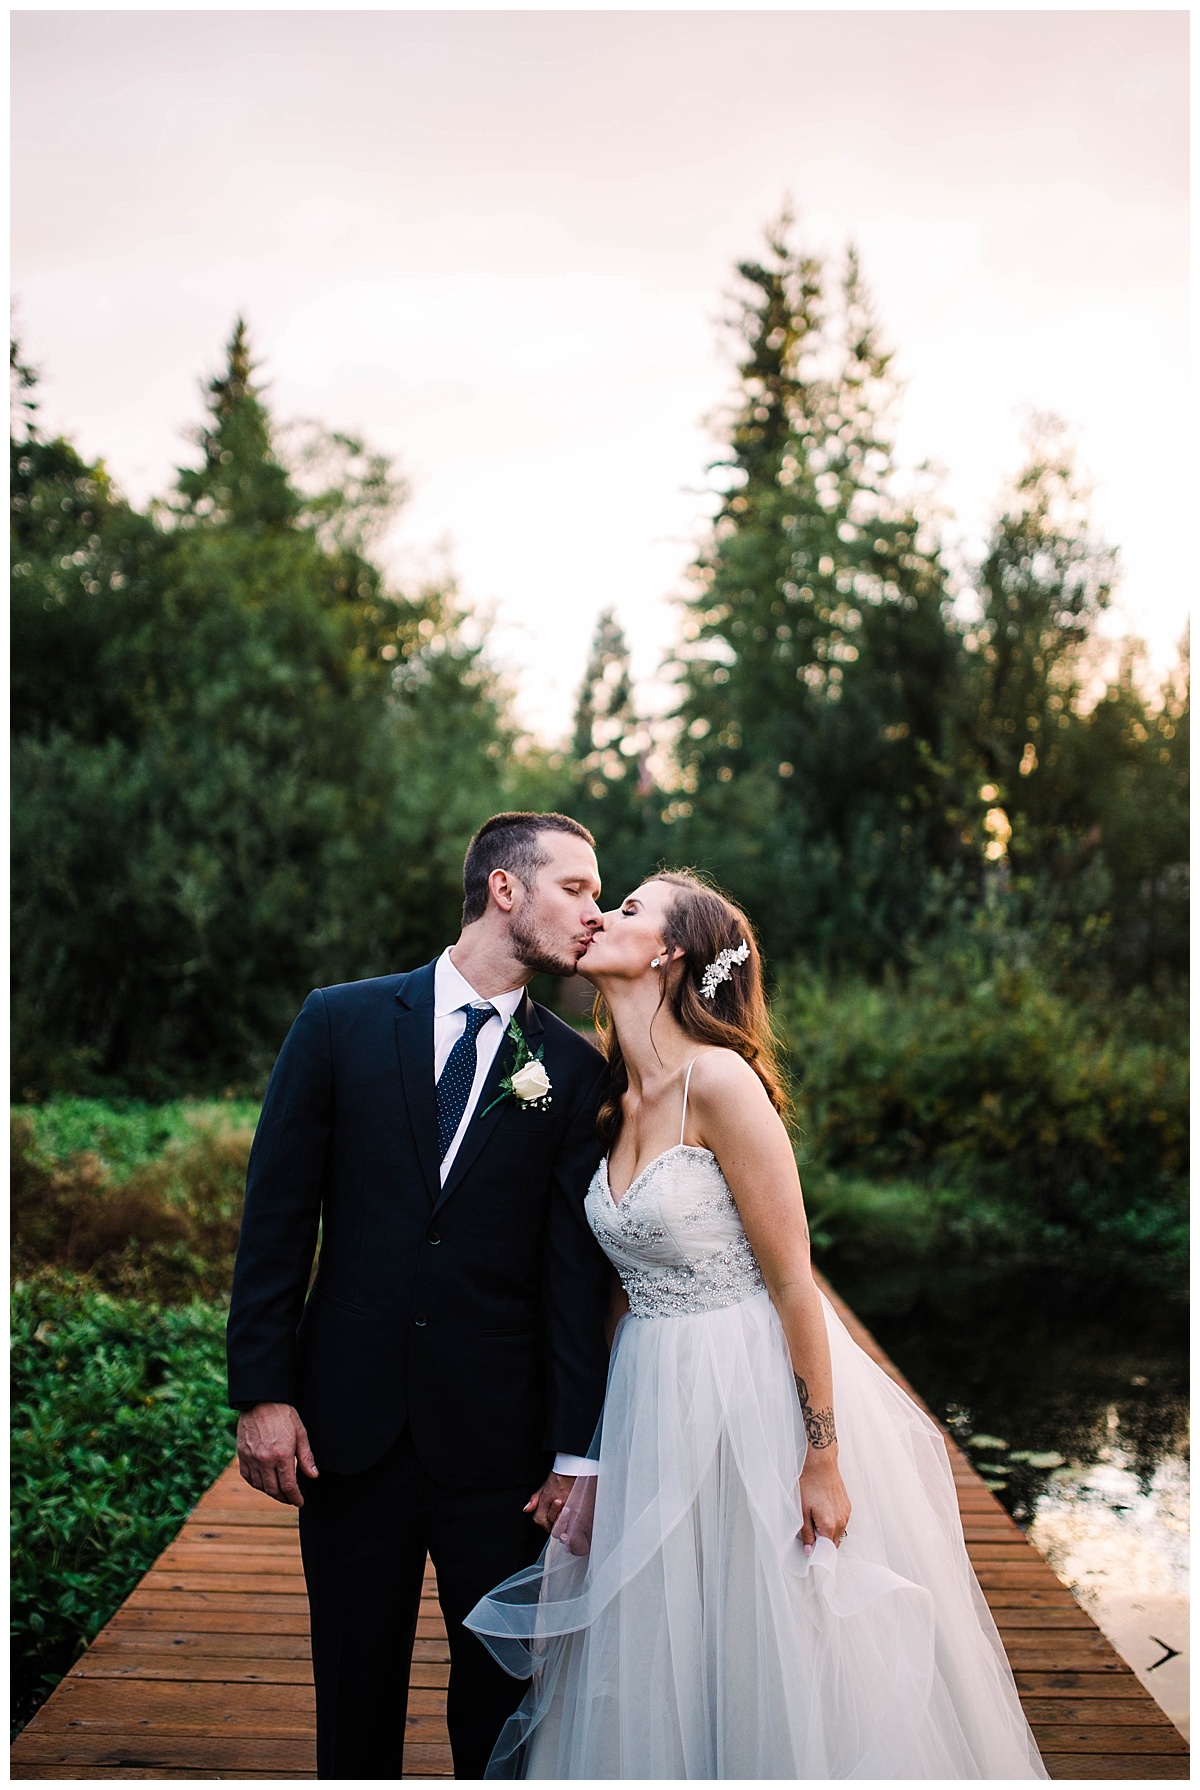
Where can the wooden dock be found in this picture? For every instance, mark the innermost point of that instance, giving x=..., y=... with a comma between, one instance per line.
x=204, y=1671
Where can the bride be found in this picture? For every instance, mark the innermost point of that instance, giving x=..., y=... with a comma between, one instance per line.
x=766, y=1576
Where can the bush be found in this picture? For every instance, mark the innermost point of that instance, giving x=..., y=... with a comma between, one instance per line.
x=141, y=1199
x=119, y=1423
x=1034, y=1119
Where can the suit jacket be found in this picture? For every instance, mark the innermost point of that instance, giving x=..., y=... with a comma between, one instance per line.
x=472, y=1312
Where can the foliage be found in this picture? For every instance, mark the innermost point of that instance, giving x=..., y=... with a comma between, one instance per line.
x=144, y=1201
x=241, y=766
x=127, y=1134
x=1024, y=1115
x=608, y=784
x=1084, y=802
x=819, y=673
x=119, y=1423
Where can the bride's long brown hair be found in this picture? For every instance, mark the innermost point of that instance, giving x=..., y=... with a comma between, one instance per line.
x=702, y=922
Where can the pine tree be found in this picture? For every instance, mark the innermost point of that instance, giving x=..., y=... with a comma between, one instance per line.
x=239, y=481
x=1044, y=581
x=611, y=789
x=605, y=719
x=819, y=673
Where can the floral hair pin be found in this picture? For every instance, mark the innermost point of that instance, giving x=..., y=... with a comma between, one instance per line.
x=721, y=968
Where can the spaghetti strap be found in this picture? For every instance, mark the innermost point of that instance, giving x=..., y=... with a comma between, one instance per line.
x=687, y=1078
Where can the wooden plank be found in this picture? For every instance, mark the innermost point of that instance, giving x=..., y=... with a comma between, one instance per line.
x=158, y=1597
x=1089, y=1682
x=194, y=1669
x=266, y=1514
x=23, y=1769
x=1055, y=1737
x=238, y=1539
x=280, y=1758
x=88, y=1700
x=134, y=1643
x=1097, y=1712
x=1073, y=1767
x=1015, y=1573
x=1036, y=1651
x=228, y=1615
x=1032, y=1597
x=290, y=1584
x=1066, y=1616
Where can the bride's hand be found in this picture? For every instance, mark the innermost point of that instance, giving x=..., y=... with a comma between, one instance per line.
x=823, y=1501
x=574, y=1526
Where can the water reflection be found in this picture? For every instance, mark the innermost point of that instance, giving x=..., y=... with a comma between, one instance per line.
x=1068, y=1389
x=1121, y=1543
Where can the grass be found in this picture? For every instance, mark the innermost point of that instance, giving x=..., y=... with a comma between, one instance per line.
x=119, y=1422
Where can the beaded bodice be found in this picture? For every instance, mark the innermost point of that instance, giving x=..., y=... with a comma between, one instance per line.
x=675, y=1238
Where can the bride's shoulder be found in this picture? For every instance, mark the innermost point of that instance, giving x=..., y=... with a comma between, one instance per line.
x=719, y=1075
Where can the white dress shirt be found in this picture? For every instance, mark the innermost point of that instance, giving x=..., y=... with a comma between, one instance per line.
x=451, y=993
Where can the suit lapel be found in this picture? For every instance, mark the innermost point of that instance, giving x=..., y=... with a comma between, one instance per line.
x=483, y=1122
x=414, y=1042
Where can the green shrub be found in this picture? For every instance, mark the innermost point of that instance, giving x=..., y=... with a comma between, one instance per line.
x=1033, y=1117
x=128, y=1134
x=119, y=1423
x=142, y=1200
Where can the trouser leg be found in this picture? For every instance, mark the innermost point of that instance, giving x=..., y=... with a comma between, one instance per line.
x=476, y=1539
x=363, y=1543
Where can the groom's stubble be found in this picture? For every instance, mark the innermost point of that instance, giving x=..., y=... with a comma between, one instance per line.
x=531, y=947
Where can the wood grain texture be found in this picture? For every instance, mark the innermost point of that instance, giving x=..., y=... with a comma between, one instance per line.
x=204, y=1672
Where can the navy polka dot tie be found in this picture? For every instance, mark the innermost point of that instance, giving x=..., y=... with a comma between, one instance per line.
x=458, y=1077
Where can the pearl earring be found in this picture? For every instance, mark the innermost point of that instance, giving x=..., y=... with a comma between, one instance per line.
x=654, y=962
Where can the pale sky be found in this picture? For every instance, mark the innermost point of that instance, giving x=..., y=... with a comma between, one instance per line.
x=498, y=244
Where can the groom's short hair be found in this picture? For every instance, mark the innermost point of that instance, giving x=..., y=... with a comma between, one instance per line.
x=510, y=842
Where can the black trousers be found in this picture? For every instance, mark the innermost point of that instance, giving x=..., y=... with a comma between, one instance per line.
x=364, y=1537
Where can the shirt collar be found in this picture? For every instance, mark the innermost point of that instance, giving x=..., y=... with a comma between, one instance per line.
x=451, y=990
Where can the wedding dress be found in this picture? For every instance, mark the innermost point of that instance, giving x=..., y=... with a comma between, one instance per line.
x=695, y=1638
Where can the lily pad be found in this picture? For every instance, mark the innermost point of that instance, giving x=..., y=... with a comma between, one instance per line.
x=982, y=1441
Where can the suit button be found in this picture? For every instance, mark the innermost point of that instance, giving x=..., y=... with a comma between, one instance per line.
x=419, y=1320
x=433, y=1237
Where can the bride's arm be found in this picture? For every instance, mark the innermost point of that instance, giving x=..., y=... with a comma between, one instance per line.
x=734, y=1118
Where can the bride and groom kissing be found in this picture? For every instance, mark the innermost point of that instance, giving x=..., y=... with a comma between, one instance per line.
x=564, y=1338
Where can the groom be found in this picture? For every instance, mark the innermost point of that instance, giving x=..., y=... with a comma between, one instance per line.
x=436, y=1387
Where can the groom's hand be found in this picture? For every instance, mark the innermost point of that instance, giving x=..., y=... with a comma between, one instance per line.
x=270, y=1441
x=546, y=1504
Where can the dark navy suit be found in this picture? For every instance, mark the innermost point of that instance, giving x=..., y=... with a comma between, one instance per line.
x=452, y=1341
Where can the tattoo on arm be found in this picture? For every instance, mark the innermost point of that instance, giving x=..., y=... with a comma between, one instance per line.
x=818, y=1425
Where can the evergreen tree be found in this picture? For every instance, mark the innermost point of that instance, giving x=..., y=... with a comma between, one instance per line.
x=257, y=774
x=1081, y=802
x=239, y=480
x=605, y=721
x=1133, y=771
x=1044, y=581
x=820, y=674
x=611, y=789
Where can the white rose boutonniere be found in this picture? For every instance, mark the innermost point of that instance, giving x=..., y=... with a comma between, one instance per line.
x=528, y=1081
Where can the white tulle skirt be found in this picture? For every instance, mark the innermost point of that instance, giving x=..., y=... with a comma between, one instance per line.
x=695, y=1639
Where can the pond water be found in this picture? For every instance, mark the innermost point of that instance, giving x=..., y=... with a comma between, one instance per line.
x=1068, y=1389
